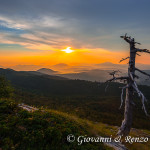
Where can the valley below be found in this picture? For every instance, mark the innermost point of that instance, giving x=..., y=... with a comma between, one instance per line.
x=86, y=103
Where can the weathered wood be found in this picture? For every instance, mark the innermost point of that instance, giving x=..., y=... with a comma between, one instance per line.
x=131, y=87
x=127, y=122
x=123, y=59
x=117, y=78
x=143, y=50
x=142, y=72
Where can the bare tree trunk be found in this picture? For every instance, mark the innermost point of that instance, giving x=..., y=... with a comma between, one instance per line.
x=128, y=115
x=131, y=86
x=127, y=122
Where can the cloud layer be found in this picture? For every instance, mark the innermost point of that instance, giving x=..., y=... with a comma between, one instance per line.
x=85, y=23
x=51, y=25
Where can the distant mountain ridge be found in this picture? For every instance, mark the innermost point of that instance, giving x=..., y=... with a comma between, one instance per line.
x=48, y=84
x=32, y=80
x=11, y=73
x=98, y=75
x=65, y=68
x=47, y=71
x=90, y=75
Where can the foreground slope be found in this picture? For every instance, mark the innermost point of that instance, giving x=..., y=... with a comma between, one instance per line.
x=48, y=129
x=40, y=130
x=83, y=98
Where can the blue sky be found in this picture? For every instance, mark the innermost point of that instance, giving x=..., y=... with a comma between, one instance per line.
x=90, y=24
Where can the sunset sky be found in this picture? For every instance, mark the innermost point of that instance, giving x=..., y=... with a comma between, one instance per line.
x=38, y=32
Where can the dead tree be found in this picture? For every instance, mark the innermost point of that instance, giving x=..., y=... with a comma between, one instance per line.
x=131, y=86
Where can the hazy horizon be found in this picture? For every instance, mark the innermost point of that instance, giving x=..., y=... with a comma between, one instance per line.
x=65, y=68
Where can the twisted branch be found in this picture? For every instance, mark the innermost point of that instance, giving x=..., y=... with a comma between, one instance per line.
x=117, y=78
x=140, y=94
x=143, y=50
x=113, y=79
x=123, y=59
x=131, y=76
x=126, y=38
x=142, y=72
x=129, y=39
x=106, y=87
x=121, y=98
x=122, y=95
x=114, y=73
x=138, y=54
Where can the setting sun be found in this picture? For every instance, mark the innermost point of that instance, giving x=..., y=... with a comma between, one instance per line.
x=67, y=50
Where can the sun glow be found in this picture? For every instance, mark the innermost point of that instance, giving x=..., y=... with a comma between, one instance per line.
x=67, y=50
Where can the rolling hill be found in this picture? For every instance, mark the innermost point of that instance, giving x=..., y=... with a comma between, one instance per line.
x=47, y=71
x=85, y=99
x=46, y=129
x=96, y=75
x=51, y=85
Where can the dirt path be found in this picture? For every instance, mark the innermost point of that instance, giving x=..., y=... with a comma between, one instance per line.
x=116, y=145
x=27, y=107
